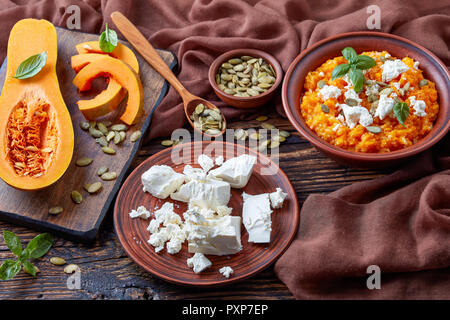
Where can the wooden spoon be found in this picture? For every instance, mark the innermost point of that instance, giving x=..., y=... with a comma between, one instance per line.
x=135, y=37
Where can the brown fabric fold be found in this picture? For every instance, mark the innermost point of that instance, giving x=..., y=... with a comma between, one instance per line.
x=399, y=222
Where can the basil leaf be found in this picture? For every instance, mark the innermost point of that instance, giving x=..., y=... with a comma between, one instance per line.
x=13, y=242
x=340, y=71
x=31, y=66
x=39, y=245
x=357, y=78
x=108, y=40
x=29, y=268
x=9, y=269
x=401, y=112
x=350, y=54
x=364, y=62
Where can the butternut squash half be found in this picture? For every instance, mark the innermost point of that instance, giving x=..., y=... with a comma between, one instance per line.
x=36, y=132
x=124, y=75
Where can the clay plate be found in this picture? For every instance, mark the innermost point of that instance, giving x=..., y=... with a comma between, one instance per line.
x=252, y=259
x=329, y=48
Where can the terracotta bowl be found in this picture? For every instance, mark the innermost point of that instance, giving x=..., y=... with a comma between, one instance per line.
x=329, y=48
x=245, y=102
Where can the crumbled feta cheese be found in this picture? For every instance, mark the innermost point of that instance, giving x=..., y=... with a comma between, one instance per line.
x=161, y=181
x=351, y=94
x=419, y=106
x=219, y=161
x=416, y=65
x=355, y=115
x=158, y=239
x=141, y=212
x=340, y=117
x=277, y=198
x=392, y=69
x=321, y=74
x=256, y=217
x=166, y=215
x=205, y=162
x=194, y=173
x=328, y=92
x=223, y=211
x=396, y=85
x=198, y=262
x=226, y=271
x=385, y=106
x=236, y=171
x=174, y=246
x=336, y=127
x=153, y=226
x=372, y=89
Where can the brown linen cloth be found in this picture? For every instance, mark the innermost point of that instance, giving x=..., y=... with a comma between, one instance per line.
x=400, y=222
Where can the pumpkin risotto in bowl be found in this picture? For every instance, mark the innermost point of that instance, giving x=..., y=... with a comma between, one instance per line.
x=367, y=98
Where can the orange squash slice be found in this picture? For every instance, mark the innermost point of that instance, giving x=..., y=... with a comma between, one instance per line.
x=124, y=75
x=36, y=133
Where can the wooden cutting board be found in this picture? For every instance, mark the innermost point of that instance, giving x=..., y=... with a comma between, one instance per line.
x=81, y=222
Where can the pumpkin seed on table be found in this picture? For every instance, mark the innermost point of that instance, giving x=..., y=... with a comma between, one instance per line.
x=254, y=136
x=117, y=138
x=71, y=268
x=274, y=144
x=102, y=141
x=119, y=127
x=262, y=118
x=101, y=127
x=122, y=135
x=108, y=150
x=55, y=210
x=102, y=170
x=83, y=162
x=95, y=133
x=108, y=176
x=84, y=125
x=167, y=143
x=57, y=261
x=110, y=136
x=93, y=188
x=268, y=126
x=263, y=145
x=240, y=134
x=284, y=133
x=135, y=136
x=92, y=124
x=76, y=197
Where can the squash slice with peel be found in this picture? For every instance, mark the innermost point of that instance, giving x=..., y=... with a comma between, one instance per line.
x=36, y=133
x=124, y=75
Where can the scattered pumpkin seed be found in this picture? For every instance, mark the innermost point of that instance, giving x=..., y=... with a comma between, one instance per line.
x=117, y=138
x=321, y=84
x=167, y=143
x=101, y=127
x=83, y=162
x=108, y=150
x=373, y=129
x=102, y=170
x=57, y=261
x=110, y=136
x=284, y=133
x=262, y=118
x=107, y=123
x=123, y=135
x=386, y=91
x=423, y=83
x=274, y=144
x=84, y=125
x=254, y=136
x=263, y=145
x=102, y=141
x=119, y=127
x=71, y=268
x=92, y=124
x=108, y=176
x=95, y=133
x=325, y=108
x=239, y=133
x=135, y=136
x=94, y=187
x=350, y=102
x=76, y=197
x=55, y=210
x=268, y=126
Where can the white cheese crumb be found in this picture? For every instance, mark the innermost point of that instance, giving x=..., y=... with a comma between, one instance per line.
x=226, y=271
x=219, y=161
x=321, y=74
x=419, y=106
x=141, y=212
x=205, y=162
x=355, y=115
x=385, y=106
x=328, y=92
x=223, y=211
x=161, y=181
x=198, y=262
x=351, y=94
x=416, y=65
x=336, y=127
x=392, y=69
x=153, y=226
x=277, y=198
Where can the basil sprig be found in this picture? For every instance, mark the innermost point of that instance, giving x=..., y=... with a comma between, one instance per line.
x=108, y=40
x=31, y=66
x=356, y=63
x=401, y=112
x=36, y=248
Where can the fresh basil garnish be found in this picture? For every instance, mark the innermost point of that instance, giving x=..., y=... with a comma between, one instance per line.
x=36, y=248
x=355, y=64
x=108, y=40
x=401, y=112
x=31, y=66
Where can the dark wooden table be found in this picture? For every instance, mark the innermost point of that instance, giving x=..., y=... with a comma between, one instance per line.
x=107, y=272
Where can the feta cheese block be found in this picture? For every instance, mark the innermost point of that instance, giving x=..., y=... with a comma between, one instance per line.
x=226, y=271
x=198, y=262
x=161, y=181
x=277, y=198
x=219, y=236
x=140, y=212
x=209, y=194
x=219, y=161
x=205, y=162
x=236, y=171
x=194, y=173
x=166, y=215
x=256, y=216
x=392, y=69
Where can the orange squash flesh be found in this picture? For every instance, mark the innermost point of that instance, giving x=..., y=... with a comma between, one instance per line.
x=36, y=136
x=121, y=52
x=124, y=75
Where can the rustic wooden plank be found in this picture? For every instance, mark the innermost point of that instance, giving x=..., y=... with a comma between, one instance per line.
x=81, y=222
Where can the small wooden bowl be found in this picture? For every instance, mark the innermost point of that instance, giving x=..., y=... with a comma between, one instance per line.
x=329, y=48
x=245, y=102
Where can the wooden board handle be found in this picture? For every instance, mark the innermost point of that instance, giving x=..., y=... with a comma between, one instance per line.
x=141, y=44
